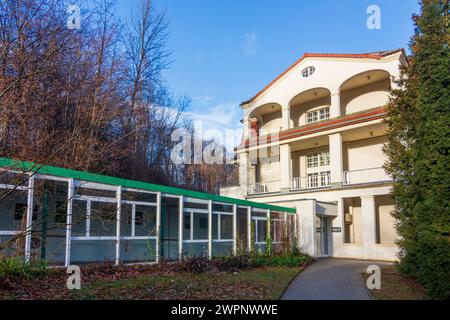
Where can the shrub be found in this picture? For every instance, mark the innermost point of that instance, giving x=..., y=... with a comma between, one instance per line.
x=193, y=265
x=16, y=268
x=282, y=260
x=232, y=263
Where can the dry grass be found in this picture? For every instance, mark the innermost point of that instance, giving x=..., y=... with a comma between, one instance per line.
x=395, y=286
x=267, y=283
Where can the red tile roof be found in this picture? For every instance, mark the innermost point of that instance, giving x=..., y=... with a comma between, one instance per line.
x=371, y=55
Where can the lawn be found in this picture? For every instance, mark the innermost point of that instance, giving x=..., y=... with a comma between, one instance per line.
x=155, y=283
x=395, y=286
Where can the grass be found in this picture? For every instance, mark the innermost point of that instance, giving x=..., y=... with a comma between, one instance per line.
x=395, y=286
x=263, y=283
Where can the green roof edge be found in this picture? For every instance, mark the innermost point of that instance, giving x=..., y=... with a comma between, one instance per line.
x=98, y=178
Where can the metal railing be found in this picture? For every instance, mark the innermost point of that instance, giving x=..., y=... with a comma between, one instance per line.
x=322, y=180
x=365, y=176
x=264, y=187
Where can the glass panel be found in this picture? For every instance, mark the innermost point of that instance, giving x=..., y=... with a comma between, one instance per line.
x=313, y=180
x=262, y=230
x=138, y=251
x=126, y=220
x=325, y=159
x=138, y=196
x=313, y=161
x=226, y=227
x=195, y=249
x=93, y=251
x=260, y=248
x=13, y=206
x=200, y=226
x=215, y=219
x=145, y=221
x=241, y=234
x=222, y=249
x=79, y=209
x=187, y=226
x=11, y=246
x=103, y=219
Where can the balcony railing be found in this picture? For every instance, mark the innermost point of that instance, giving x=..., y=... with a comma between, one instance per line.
x=316, y=181
x=365, y=176
x=264, y=187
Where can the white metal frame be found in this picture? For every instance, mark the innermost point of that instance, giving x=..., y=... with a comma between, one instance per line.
x=75, y=184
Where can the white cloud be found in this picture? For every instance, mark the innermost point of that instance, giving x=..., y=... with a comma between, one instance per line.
x=202, y=98
x=220, y=121
x=251, y=44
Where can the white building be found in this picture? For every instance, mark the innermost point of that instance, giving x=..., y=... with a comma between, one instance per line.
x=313, y=140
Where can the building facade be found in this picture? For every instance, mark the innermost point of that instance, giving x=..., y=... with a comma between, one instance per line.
x=313, y=140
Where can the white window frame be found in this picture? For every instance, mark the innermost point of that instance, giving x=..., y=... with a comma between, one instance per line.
x=318, y=115
x=219, y=215
x=308, y=71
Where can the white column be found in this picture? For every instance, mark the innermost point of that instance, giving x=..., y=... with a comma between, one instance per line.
x=118, y=217
x=368, y=217
x=158, y=227
x=70, y=195
x=210, y=204
x=243, y=172
x=268, y=226
x=180, y=227
x=336, y=160
x=285, y=167
x=29, y=217
x=286, y=117
x=246, y=127
x=339, y=222
x=335, y=109
x=249, y=229
x=234, y=229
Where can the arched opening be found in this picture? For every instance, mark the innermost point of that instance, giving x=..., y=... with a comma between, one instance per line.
x=365, y=91
x=267, y=118
x=310, y=106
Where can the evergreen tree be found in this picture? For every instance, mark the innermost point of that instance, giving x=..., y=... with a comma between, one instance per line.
x=418, y=149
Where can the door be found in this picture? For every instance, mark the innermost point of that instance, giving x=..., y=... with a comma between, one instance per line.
x=169, y=232
x=322, y=236
x=324, y=230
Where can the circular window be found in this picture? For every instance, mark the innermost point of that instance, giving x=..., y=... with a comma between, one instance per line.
x=308, y=72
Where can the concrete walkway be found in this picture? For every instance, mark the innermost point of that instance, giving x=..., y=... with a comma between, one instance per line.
x=330, y=279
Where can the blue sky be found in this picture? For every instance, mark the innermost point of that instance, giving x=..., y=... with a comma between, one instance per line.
x=225, y=51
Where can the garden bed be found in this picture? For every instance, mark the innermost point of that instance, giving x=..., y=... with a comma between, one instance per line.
x=221, y=279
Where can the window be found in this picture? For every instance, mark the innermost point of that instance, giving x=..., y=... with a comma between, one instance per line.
x=313, y=160
x=20, y=211
x=324, y=113
x=139, y=218
x=325, y=159
x=308, y=71
x=203, y=223
x=318, y=115
x=313, y=180
x=318, y=174
x=325, y=178
x=61, y=212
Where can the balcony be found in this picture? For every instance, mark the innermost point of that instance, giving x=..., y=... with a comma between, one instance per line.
x=313, y=181
x=365, y=176
x=264, y=187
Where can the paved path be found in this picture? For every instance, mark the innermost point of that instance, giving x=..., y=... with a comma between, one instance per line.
x=330, y=279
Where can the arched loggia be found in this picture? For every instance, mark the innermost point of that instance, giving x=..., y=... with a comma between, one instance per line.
x=366, y=90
